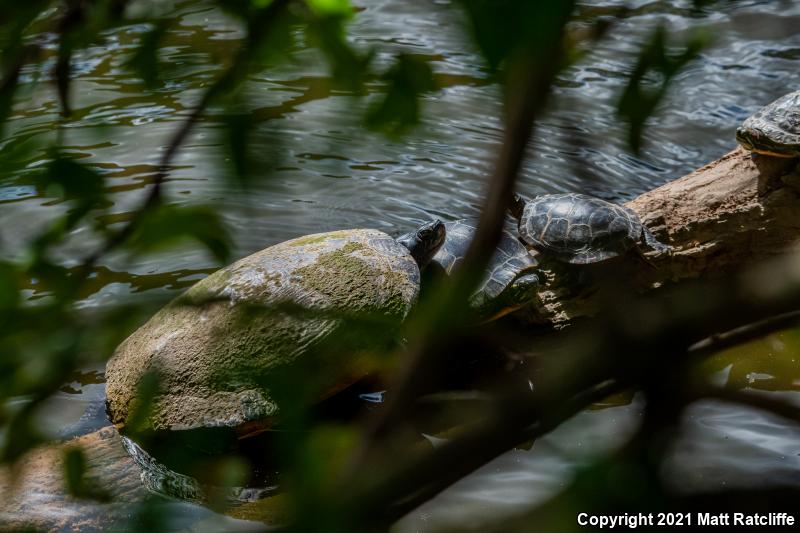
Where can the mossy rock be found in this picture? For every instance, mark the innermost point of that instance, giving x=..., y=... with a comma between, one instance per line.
x=300, y=318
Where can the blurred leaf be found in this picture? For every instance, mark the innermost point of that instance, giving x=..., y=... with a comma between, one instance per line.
x=145, y=61
x=78, y=485
x=331, y=7
x=165, y=225
x=503, y=28
x=9, y=289
x=236, y=134
x=61, y=73
x=349, y=68
x=73, y=182
x=654, y=71
x=398, y=110
x=74, y=468
x=139, y=413
x=9, y=82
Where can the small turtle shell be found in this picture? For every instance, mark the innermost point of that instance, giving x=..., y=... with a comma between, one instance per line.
x=510, y=260
x=775, y=128
x=577, y=228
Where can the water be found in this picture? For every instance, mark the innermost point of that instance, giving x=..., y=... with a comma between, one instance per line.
x=334, y=175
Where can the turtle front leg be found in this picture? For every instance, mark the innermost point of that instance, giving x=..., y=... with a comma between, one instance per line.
x=653, y=243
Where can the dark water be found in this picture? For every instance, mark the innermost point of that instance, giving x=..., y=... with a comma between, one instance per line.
x=332, y=174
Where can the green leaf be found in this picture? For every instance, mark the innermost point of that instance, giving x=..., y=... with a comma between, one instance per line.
x=503, y=28
x=650, y=79
x=70, y=180
x=166, y=225
x=78, y=485
x=145, y=61
x=74, y=468
x=331, y=7
x=236, y=134
x=408, y=78
x=349, y=68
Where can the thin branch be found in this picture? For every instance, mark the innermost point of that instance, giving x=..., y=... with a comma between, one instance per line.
x=717, y=343
x=529, y=80
x=263, y=22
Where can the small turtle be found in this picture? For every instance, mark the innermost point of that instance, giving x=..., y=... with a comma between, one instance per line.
x=510, y=281
x=581, y=229
x=301, y=305
x=774, y=129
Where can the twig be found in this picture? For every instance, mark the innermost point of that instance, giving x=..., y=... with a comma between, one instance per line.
x=263, y=22
x=528, y=85
x=717, y=343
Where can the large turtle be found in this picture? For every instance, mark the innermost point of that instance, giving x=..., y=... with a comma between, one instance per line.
x=510, y=280
x=581, y=229
x=311, y=303
x=774, y=129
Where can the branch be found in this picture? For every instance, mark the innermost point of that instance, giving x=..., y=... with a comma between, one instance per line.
x=529, y=79
x=263, y=22
x=718, y=342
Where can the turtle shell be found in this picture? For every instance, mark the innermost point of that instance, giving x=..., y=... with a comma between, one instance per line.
x=510, y=260
x=308, y=303
x=774, y=129
x=577, y=228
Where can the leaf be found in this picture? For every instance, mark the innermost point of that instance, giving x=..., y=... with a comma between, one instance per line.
x=650, y=79
x=71, y=180
x=78, y=485
x=348, y=67
x=74, y=468
x=408, y=78
x=237, y=131
x=140, y=410
x=145, y=61
x=164, y=226
x=502, y=28
x=331, y=7
x=61, y=73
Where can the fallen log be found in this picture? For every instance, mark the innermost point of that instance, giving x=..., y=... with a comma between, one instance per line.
x=733, y=212
x=33, y=492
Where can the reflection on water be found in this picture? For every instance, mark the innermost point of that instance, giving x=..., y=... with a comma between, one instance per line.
x=322, y=171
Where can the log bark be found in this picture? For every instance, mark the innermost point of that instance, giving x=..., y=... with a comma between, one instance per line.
x=33, y=492
x=735, y=211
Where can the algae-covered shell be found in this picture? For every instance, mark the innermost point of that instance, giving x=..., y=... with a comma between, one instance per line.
x=310, y=304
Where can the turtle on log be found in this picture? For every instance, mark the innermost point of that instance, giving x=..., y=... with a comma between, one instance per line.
x=774, y=129
x=581, y=229
x=313, y=308
x=510, y=280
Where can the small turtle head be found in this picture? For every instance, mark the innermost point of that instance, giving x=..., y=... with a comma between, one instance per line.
x=522, y=290
x=517, y=206
x=516, y=295
x=744, y=137
x=424, y=242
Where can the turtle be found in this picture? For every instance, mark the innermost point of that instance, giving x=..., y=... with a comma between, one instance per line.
x=581, y=229
x=510, y=280
x=774, y=129
x=305, y=307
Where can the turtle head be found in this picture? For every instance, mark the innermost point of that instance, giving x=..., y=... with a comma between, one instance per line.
x=424, y=242
x=517, y=295
x=517, y=206
x=522, y=290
